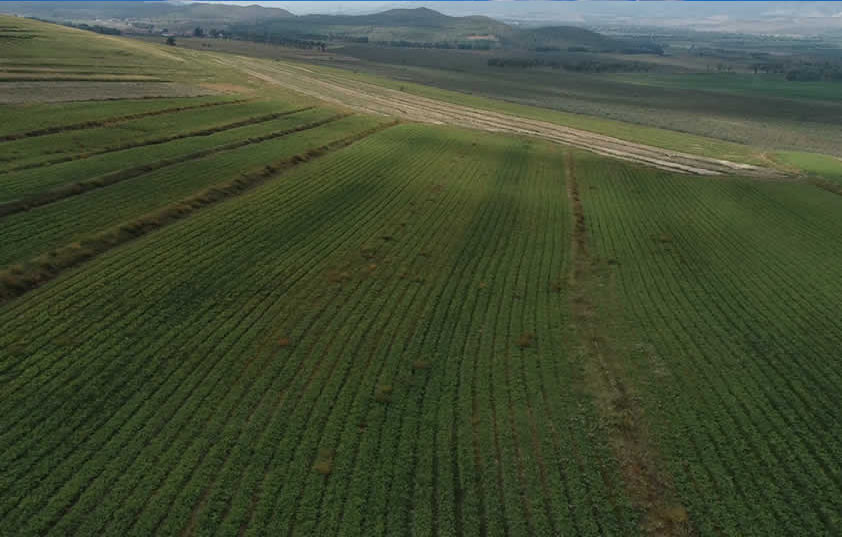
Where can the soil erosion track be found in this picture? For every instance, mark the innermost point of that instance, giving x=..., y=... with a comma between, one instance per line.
x=375, y=99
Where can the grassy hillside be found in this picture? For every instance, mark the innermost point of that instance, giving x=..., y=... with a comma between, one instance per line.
x=254, y=314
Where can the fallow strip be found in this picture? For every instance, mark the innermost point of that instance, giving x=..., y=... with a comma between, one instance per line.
x=155, y=141
x=646, y=485
x=16, y=282
x=112, y=120
x=109, y=179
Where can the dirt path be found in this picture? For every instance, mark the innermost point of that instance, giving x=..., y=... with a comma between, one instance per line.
x=375, y=99
x=644, y=476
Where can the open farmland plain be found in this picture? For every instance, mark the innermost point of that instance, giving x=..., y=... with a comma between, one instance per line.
x=258, y=312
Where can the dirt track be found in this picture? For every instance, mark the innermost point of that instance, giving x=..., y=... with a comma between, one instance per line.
x=375, y=99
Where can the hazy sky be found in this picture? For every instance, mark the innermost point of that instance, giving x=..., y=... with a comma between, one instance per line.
x=773, y=17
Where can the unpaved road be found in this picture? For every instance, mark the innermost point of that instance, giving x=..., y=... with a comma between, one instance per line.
x=375, y=99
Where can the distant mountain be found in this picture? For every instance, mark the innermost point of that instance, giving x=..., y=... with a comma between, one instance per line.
x=422, y=17
x=563, y=37
x=156, y=13
x=419, y=25
x=403, y=27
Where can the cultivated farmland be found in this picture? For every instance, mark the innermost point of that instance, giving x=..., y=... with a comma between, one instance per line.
x=260, y=313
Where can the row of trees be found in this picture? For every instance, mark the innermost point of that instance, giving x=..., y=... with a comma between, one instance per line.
x=479, y=44
x=583, y=66
x=95, y=28
x=802, y=71
x=213, y=32
x=815, y=73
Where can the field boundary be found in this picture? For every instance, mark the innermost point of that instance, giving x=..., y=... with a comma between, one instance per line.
x=19, y=279
x=75, y=189
x=650, y=490
x=112, y=120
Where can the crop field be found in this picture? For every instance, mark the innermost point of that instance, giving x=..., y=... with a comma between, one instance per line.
x=266, y=313
x=22, y=121
x=65, y=90
x=47, y=63
x=37, y=230
x=42, y=177
x=745, y=85
x=824, y=168
x=734, y=285
x=263, y=372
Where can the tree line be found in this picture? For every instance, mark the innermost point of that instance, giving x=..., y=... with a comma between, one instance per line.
x=582, y=66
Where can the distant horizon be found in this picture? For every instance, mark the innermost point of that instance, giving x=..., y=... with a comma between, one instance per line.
x=762, y=17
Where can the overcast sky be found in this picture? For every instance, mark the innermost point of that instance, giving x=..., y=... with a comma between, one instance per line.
x=771, y=17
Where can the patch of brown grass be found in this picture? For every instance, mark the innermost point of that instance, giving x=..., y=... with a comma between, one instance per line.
x=383, y=393
x=527, y=339
x=324, y=461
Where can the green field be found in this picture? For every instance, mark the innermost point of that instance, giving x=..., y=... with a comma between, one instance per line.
x=766, y=85
x=726, y=112
x=815, y=165
x=256, y=314
x=727, y=311
x=23, y=120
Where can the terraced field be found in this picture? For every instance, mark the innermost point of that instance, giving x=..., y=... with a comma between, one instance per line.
x=258, y=314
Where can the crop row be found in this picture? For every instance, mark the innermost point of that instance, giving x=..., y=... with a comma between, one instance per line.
x=65, y=146
x=727, y=284
x=35, y=187
x=72, y=219
x=371, y=344
x=43, y=119
x=187, y=265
